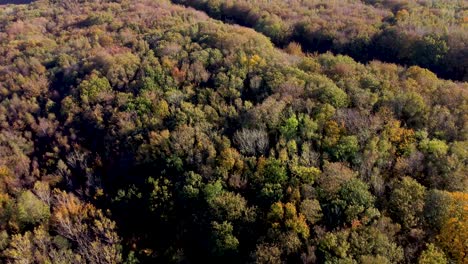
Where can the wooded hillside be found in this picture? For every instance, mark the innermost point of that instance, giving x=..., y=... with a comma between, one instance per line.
x=147, y=132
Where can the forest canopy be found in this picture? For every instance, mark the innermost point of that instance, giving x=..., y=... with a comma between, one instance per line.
x=430, y=34
x=143, y=131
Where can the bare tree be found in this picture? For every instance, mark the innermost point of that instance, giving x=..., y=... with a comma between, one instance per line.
x=251, y=141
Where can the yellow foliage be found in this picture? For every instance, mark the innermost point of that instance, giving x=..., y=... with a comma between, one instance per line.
x=88, y=227
x=4, y=175
x=292, y=220
x=276, y=212
x=453, y=236
x=255, y=60
x=294, y=48
x=162, y=108
x=306, y=174
x=402, y=14
x=283, y=154
x=7, y=179
x=399, y=136
x=332, y=132
x=290, y=210
x=4, y=171
x=157, y=138
x=228, y=158
x=298, y=224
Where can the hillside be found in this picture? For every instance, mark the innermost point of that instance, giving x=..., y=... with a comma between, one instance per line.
x=430, y=34
x=142, y=131
x=14, y=2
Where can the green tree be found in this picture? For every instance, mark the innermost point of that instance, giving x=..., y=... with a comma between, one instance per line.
x=225, y=241
x=432, y=255
x=407, y=202
x=334, y=247
x=311, y=210
x=31, y=210
x=357, y=199
x=94, y=89
x=346, y=149
x=290, y=127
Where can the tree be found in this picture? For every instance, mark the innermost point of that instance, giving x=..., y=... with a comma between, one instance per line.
x=407, y=202
x=432, y=255
x=39, y=247
x=251, y=141
x=94, y=89
x=290, y=127
x=437, y=149
x=272, y=171
x=429, y=51
x=231, y=207
x=225, y=241
x=121, y=69
x=333, y=247
x=286, y=216
x=334, y=175
x=311, y=210
x=412, y=109
x=357, y=200
x=31, y=210
x=435, y=209
x=267, y=254
x=371, y=243
x=305, y=174
x=329, y=93
x=453, y=236
x=346, y=149
x=86, y=227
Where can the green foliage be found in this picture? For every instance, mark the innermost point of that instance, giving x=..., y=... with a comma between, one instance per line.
x=407, y=202
x=231, y=206
x=274, y=171
x=225, y=241
x=98, y=19
x=346, y=148
x=94, y=89
x=31, y=210
x=435, y=208
x=181, y=139
x=432, y=255
x=335, y=247
x=435, y=148
x=311, y=210
x=305, y=174
x=328, y=93
x=290, y=127
x=357, y=198
x=368, y=243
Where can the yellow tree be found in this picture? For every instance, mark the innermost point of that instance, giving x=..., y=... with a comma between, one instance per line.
x=453, y=237
x=93, y=233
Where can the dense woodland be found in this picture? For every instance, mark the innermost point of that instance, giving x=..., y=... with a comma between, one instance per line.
x=142, y=131
x=430, y=34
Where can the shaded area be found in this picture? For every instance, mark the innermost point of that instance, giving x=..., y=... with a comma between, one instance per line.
x=15, y=2
x=382, y=35
x=144, y=132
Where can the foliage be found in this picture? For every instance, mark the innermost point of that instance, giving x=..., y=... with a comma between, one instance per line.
x=148, y=132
